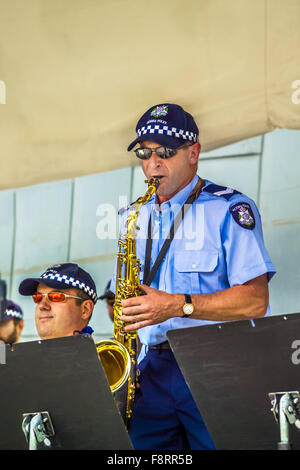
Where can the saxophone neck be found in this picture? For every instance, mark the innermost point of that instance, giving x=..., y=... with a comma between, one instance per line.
x=153, y=184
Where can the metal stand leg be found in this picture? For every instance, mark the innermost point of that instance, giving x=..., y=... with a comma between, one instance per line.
x=284, y=443
x=38, y=430
x=286, y=413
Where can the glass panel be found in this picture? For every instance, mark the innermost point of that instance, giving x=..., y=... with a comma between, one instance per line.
x=6, y=234
x=244, y=147
x=43, y=221
x=280, y=206
x=240, y=173
x=97, y=199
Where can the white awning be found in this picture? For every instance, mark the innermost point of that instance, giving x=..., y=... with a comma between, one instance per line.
x=79, y=73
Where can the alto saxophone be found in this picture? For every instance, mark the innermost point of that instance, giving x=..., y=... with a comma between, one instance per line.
x=118, y=355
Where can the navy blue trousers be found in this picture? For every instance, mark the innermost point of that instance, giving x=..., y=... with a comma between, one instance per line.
x=165, y=416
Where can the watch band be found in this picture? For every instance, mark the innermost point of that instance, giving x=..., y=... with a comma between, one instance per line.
x=188, y=307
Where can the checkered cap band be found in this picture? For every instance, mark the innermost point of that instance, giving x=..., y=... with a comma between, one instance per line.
x=70, y=281
x=14, y=314
x=167, y=130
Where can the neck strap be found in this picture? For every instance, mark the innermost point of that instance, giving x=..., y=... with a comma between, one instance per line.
x=149, y=275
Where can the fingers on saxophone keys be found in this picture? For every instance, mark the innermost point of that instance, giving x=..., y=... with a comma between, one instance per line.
x=131, y=318
x=131, y=310
x=135, y=326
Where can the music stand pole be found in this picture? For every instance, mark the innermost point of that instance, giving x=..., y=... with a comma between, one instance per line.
x=284, y=443
x=39, y=431
x=285, y=412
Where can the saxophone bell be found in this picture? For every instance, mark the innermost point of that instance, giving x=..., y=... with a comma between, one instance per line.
x=115, y=359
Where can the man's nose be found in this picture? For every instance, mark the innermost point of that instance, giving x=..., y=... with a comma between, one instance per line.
x=44, y=303
x=154, y=161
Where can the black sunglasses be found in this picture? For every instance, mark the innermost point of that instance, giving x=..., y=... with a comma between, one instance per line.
x=144, y=153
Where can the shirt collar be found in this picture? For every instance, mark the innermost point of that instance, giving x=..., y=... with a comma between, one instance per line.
x=88, y=330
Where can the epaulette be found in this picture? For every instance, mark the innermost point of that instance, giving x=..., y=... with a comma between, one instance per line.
x=221, y=191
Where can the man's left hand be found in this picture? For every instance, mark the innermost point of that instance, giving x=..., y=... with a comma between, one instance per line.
x=154, y=307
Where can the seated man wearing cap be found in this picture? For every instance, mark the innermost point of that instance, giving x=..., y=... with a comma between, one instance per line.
x=109, y=297
x=215, y=268
x=12, y=323
x=65, y=296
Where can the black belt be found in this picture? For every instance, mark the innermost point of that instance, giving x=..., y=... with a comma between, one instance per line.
x=164, y=345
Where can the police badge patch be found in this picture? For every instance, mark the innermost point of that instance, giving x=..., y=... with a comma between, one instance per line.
x=243, y=215
x=159, y=111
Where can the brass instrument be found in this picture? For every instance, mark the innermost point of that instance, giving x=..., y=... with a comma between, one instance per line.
x=118, y=355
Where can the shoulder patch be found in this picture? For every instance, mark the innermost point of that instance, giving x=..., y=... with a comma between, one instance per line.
x=221, y=191
x=243, y=215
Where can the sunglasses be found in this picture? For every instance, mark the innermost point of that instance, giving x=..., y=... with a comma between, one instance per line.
x=54, y=297
x=144, y=153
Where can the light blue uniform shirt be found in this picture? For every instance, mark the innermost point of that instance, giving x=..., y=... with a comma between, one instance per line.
x=210, y=252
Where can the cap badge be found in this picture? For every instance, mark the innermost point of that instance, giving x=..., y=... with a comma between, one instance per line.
x=159, y=111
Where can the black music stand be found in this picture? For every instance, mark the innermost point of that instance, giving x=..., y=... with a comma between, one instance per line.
x=232, y=367
x=65, y=378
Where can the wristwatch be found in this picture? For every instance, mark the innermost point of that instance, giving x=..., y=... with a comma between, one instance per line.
x=188, y=307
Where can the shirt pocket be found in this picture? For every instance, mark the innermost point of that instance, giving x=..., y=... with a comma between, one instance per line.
x=190, y=267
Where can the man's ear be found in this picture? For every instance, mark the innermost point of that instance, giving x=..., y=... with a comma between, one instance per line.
x=87, y=309
x=20, y=326
x=194, y=153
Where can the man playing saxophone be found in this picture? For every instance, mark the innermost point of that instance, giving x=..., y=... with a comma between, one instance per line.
x=212, y=267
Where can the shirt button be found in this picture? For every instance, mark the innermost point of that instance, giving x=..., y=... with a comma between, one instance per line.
x=193, y=265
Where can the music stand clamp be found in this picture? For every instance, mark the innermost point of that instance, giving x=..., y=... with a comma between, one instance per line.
x=38, y=430
x=286, y=410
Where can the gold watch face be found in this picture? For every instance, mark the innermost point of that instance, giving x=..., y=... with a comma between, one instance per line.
x=188, y=309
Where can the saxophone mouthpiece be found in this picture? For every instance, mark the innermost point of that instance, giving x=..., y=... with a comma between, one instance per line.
x=155, y=180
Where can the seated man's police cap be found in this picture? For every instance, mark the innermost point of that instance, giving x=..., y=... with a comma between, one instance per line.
x=62, y=276
x=12, y=311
